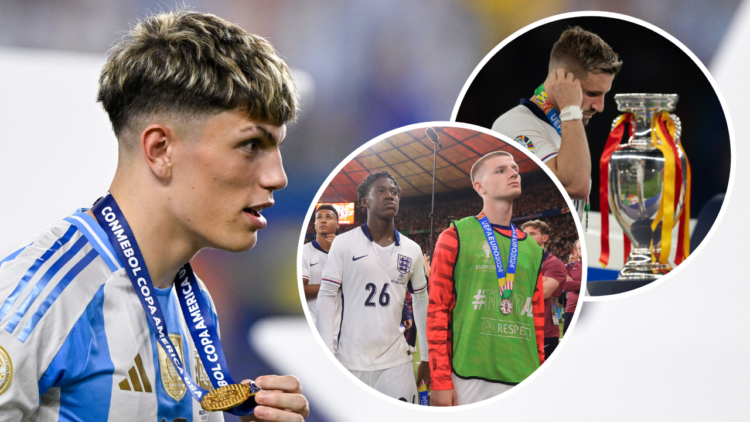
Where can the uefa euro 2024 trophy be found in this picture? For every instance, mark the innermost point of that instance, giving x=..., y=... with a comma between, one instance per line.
x=647, y=176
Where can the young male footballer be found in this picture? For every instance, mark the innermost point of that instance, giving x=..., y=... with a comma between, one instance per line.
x=573, y=285
x=101, y=316
x=315, y=256
x=551, y=124
x=554, y=274
x=485, y=321
x=372, y=266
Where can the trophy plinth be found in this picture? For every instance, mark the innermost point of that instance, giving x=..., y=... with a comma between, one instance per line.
x=636, y=179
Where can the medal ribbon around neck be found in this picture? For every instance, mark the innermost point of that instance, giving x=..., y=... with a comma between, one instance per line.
x=195, y=310
x=549, y=110
x=505, y=282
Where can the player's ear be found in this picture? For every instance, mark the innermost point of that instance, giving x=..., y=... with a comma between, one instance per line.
x=479, y=188
x=157, y=143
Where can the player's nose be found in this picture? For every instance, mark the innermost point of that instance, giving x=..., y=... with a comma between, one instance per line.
x=598, y=104
x=273, y=176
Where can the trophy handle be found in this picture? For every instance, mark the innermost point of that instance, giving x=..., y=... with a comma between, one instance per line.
x=677, y=128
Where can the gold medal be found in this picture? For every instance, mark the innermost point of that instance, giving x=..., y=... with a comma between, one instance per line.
x=226, y=397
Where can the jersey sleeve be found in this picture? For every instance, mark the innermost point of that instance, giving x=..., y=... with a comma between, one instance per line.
x=418, y=280
x=556, y=269
x=420, y=304
x=537, y=306
x=525, y=130
x=46, y=334
x=334, y=270
x=305, y=268
x=330, y=288
x=441, y=303
x=573, y=285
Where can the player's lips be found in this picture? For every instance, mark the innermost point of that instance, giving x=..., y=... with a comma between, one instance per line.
x=254, y=216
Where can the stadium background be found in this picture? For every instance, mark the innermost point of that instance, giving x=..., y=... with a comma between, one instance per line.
x=408, y=157
x=370, y=67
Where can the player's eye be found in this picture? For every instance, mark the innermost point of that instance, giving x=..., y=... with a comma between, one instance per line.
x=252, y=145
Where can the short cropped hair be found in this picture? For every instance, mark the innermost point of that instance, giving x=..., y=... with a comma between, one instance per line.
x=579, y=49
x=191, y=64
x=364, y=188
x=480, y=162
x=328, y=207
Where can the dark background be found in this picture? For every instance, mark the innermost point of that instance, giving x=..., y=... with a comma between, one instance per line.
x=651, y=64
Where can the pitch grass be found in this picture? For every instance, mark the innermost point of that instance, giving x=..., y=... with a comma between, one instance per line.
x=418, y=356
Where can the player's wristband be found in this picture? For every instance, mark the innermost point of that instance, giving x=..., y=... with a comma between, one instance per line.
x=571, y=113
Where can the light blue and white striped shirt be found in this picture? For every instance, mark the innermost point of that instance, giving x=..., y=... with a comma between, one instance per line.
x=76, y=344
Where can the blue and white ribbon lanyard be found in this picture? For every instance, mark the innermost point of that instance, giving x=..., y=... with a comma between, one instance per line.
x=192, y=302
x=504, y=281
x=549, y=110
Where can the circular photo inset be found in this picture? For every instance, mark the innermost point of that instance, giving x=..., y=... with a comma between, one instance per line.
x=631, y=124
x=440, y=264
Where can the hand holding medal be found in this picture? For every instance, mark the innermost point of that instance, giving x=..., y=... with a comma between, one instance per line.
x=280, y=399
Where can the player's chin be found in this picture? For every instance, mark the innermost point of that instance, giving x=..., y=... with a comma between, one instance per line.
x=239, y=243
x=389, y=212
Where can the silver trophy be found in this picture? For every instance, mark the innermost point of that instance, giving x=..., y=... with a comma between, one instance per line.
x=636, y=176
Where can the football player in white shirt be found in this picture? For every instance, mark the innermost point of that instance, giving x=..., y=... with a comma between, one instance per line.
x=315, y=255
x=198, y=106
x=551, y=124
x=372, y=266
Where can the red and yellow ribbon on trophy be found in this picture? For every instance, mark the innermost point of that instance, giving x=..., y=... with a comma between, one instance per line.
x=663, y=138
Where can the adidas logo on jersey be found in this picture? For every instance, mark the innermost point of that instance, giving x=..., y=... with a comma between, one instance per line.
x=137, y=379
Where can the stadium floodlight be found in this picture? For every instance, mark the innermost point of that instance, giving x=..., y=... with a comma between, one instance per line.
x=435, y=144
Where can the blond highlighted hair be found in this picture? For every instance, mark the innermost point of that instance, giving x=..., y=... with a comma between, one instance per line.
x=186, y=63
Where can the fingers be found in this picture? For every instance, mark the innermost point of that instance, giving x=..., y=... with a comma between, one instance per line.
x=263, y=413
x=286, y=383
x=560, y=75
x=279, y=406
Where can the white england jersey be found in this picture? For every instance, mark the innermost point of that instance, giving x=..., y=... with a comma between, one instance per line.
x=373, y=298
x=77, y=339
x=314, y=260
x=528, y=125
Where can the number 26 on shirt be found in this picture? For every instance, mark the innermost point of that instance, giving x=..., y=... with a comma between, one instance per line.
x=384, y=299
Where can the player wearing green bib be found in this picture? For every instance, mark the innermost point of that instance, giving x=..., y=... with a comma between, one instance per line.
x=485, y=322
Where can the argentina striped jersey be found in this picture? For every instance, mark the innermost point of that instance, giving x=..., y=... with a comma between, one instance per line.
x=75, y=344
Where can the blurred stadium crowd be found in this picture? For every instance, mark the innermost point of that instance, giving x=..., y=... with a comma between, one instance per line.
x=413, y=218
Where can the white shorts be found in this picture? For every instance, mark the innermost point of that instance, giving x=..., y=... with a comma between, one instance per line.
x=473, y=391
x=397, y=382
